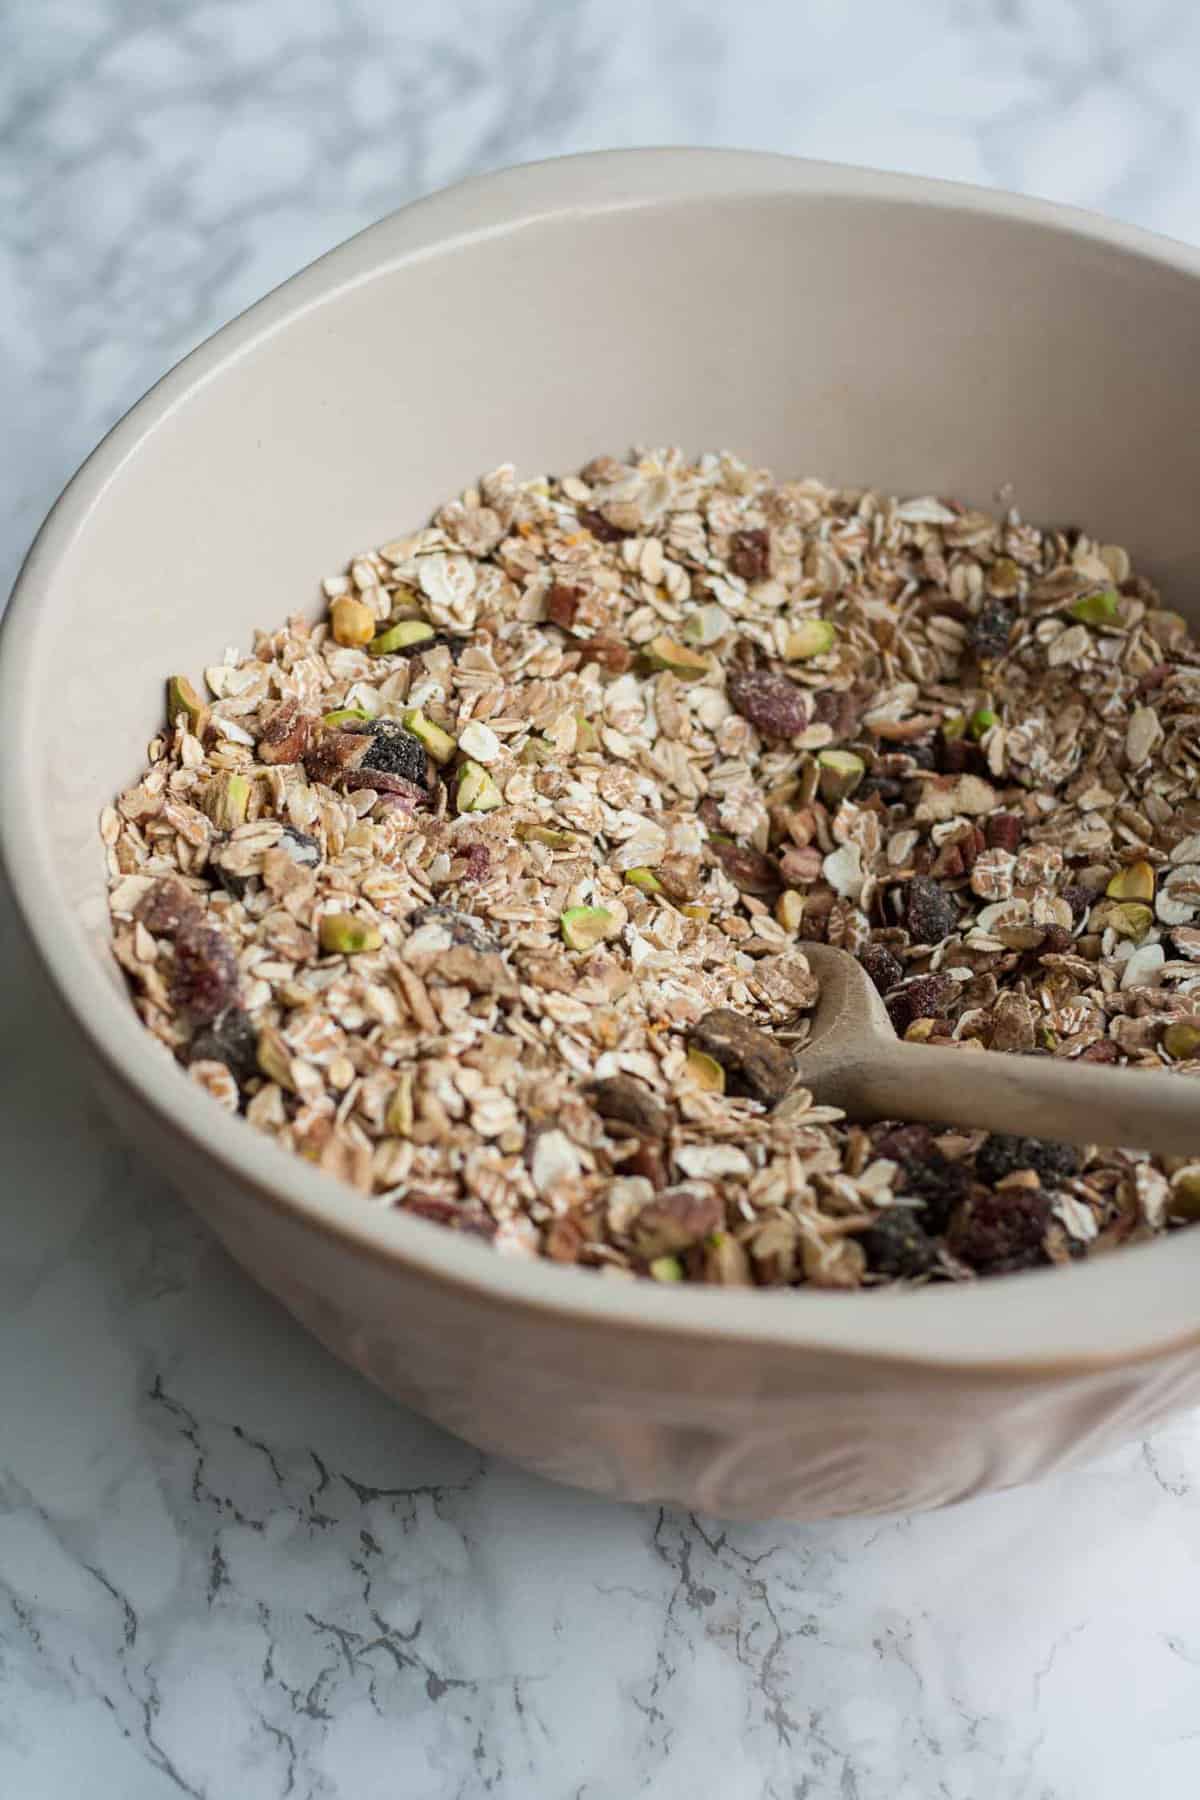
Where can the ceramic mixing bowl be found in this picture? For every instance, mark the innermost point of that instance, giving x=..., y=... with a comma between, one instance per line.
x=863, y=327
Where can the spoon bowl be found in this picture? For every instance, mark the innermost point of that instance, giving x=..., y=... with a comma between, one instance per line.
x=855, y=1060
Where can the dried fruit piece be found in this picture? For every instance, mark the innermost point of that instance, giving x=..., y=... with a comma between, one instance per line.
x=1181, y=1040
x=645, y=879
x=897, y=1245
x=1004, y=831
x=204, y=981
x=601, y=528
x=1003, y=1154
x=705, y=1071
x=663, y=652
x=926, y=1173
x=750, y=554
x=477, y=792
x=396, y=750
x=285, y=733
x=351, y=621
x=930, y=912
x=998, y=1233
x=751, y=871
x=884, y=969
x=225, y=800
x=928, y=997
x=1134, y=882
x=627, y=1101
x=346, y=934
x=753, y=1062
x=811, y=637
x=231, y=1039
x=676, y=1220
x=991, y=628
x=1097, y=609
x=583, y=927
x=562, y=603
x=332, y=754
x=773, y=704
x=166, y=906
x=841, y=773
x=440, y=745
x=183, y=702
x=406, y=634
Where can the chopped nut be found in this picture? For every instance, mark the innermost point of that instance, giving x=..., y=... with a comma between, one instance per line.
x=351, y=621
x=583, y=927
x=183, y=702
x=645, y=879
x=1181, y=1040
x=1134, y=882
x=841, y=773
x=813, y=637
x=477, y=792
x=405, y=634
x=1097, y=609
x=705, y=1071
x=225, y=800
x=440, y=745
x=664, y=652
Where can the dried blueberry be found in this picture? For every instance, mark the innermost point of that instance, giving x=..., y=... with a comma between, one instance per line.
x=928, y=997
x=930, y=912
x=230, y=1039
x=898, y=1245
x=1079, y=900
x=1003, y=1154
x=996, y=1234
x=395, y=751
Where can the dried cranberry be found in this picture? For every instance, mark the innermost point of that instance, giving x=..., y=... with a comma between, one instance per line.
x=166, y=906
x=230, y=1039
x=395, y=751
x=898, y=1245
x=998, y=1233
x=1004, y=831
x=928, y=997
x=991, y=628
x=749, y=554
x=930, y=912
x=884, y=969
x=773, y=704
x=1003, y=1154
x=205, y=978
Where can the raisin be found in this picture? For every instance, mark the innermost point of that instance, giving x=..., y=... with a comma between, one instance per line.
x=991, y=628
x=623, y=1100
x=928, y=997
x=898, y=1245
x=749, y=554
x=925, y=1173
x=923, y=754
x=930, y=912
x=1003, y=1154
x=395, y=751
x=757, y=1065
x=205, y=978
x=1102, y=1051
x=750, y=871
x=230, y=1039
x=1004, y=831
x=600, y=527
x=886, y=787
x=773, y=704
x=1056, y=942
x=884, y=969
x=996, y=1234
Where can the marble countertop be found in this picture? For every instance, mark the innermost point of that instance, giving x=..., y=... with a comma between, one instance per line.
x=230, y=1570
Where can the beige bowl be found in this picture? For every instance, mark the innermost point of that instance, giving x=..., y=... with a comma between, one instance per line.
x=863, y=327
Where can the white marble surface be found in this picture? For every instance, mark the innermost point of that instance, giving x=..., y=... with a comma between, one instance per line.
x=227, y=1568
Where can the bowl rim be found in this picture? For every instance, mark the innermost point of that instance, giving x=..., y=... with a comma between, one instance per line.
x=1137, y=1305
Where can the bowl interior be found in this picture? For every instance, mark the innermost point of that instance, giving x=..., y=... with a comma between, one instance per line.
x=865, y=330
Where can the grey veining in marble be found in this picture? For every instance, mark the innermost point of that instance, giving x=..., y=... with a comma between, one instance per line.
x=227, y=1568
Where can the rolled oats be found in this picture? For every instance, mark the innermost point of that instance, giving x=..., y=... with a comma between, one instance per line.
x=486, y=893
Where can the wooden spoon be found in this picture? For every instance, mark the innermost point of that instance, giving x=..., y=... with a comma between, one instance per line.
x=855, y=1060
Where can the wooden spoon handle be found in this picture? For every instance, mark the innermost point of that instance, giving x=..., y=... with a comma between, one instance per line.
x=1034, y=1096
